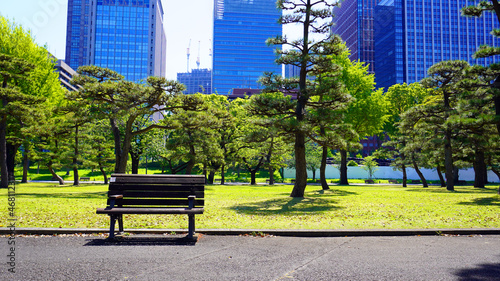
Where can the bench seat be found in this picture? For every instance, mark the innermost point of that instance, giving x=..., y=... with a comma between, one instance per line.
x=152, y=211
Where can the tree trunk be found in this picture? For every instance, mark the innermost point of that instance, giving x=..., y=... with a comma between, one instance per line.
x=448, y=162
x=271, y=176
x=497, y=172
x=190, y=163
x=302, y=98
x=343, y=168
x=135, y=157
x=479, y=169
x=222, y=176
x=253, y=174
x=4, y=173
x=26, y=165
x=76, y=178
x=420, y=175
x=456, y=175
x=405, y=176
x=11, y=160
x=103, y=173
x=54, y=175
x=322, y=169
x=496, y=101
x=211, y=176
x=300, y=166
x=441, y=178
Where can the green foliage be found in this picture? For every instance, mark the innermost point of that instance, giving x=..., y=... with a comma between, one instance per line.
x=352, y=163
x=370, y=165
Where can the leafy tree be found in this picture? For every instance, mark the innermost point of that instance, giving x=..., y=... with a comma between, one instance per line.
x=313, y=157
x=444, y=80
x=477, y=10
x=369, y=165
x=314, y=17
x=367, y=114
x=122, y=102
x=98, y=147
x=27, y=79
x=400, y=98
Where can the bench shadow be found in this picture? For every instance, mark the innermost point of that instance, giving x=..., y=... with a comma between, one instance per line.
x=142, y=241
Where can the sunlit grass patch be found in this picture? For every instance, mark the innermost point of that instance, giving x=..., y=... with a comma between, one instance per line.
x=270, y=207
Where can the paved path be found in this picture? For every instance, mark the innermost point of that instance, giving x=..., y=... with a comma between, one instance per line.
x=157, y=257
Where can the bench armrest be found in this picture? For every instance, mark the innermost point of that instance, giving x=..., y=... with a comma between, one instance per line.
x=113, y=198
x=191, y=199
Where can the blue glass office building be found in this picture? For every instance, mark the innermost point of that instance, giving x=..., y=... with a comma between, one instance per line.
x=409, y=36
x=434, y=31
x=126, y=36
x=240, y=53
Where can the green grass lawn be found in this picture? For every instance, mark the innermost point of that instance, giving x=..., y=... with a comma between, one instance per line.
x=270, y=207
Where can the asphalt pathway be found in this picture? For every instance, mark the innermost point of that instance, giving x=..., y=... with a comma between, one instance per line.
x=160, y=257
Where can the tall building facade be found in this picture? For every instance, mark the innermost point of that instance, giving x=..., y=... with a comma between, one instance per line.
x=354, y=23
x=240, y=53
x=196, y=81
x=126, y=36
x=401, y=39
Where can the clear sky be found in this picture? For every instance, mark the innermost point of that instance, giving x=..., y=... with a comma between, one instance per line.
x=184, y=20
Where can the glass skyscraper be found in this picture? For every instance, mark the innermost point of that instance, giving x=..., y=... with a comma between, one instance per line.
x=126, y=36
x=409, y=36
x=240, y=53
x=196, y=81
x=354, y=23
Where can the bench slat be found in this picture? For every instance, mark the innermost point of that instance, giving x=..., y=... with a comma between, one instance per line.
x=146, y=179
x=153, y=211
x=137, y=186
x=157, y=194
x=156, y=202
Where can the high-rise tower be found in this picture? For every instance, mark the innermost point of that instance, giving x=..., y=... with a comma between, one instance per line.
x=401, y=39
x=126, y=36
x=240, y=53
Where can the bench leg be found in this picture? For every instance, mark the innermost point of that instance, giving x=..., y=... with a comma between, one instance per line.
x=191, y=226
x=112, y=226
x=120, y=224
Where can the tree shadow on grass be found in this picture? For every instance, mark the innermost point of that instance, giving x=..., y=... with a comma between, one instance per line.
x=287, y=206
x=487, y=271
x=74, y=195
x=488, y=201
x=458, y=189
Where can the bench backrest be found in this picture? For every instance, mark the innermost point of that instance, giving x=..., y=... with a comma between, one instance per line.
x=157, y=190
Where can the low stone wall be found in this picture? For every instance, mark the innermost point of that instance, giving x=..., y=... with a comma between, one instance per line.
x=389, y=173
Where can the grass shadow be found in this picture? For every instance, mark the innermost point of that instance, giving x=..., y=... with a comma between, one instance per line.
x=83, y=195
x=286, y=206
x=489, y=201
x=458, y=189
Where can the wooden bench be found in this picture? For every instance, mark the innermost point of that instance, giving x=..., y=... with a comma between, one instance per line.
x=84, y=178
x=154, y=194
x=393, y=181
x=369, y=181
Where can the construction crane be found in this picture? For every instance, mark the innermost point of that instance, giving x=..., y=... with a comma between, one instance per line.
x=198, y=59
x=188, y=53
